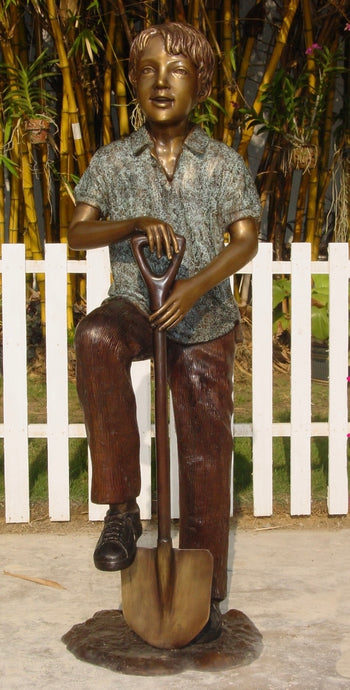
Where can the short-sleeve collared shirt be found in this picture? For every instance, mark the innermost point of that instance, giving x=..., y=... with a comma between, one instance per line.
x=211, y=188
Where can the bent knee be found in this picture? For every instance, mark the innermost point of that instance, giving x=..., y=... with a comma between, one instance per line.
x=93, y=329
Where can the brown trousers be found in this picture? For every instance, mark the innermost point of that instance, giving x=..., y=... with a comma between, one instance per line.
x=200, y=377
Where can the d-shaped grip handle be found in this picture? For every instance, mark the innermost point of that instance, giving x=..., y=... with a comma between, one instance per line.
x=158, y=285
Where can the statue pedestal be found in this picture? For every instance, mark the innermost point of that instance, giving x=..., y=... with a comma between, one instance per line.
x=106, y=640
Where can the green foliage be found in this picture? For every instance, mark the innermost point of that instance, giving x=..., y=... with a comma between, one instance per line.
x=204, y=115
x=319, y=310
x=86, y=43
x=292, y=107
x=8, y=163
x=281, y=290
x=25, y=95
x=319, y=306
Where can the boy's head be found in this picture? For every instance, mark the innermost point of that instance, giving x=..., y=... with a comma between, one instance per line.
x=178, y=39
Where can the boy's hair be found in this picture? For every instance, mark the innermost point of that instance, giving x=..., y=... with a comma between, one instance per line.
x=178, y=38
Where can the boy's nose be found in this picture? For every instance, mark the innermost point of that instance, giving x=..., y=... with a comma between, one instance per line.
x=162, y=79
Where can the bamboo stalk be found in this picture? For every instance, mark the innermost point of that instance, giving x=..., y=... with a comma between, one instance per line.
x=2, y=193
x=299, y=216
x=313, y=178
x=194, y=13
x=269, y=165
x=228, y=84
x=280, y=44
x=180, y=15
x=225, y=72
x=29, y=201
x=124, y=21
x=237, y=97
x=211, y=21
x=65, y=202
x=107, y=82
x=87, y=130
x=68, y=86
x=32, y=221
x=47, y=205
x=15, y=194
x=121, y=88
x=64, y=169
x=324, y=171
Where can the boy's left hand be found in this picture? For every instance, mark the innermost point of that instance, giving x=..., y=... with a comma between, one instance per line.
x=242, y=248
x=175, y=307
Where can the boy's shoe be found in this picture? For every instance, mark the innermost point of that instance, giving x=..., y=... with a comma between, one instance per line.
x=116, y=547
x=212, y=628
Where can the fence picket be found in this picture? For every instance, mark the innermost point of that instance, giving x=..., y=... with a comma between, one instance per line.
x=262, y=378
x=16, y=469
x=57, y=381
x=140, y=376
x=338, y=370
x=300, y=449
x=97, y=282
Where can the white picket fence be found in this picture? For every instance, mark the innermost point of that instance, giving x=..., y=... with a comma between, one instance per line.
x=57, y=430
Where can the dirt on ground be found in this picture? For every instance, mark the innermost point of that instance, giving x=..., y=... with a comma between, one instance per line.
x=242, y=520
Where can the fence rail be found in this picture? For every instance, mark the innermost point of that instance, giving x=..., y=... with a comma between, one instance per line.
x=15, y=429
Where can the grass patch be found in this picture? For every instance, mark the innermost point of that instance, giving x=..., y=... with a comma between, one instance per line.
x=243, y=466
x=243, y=472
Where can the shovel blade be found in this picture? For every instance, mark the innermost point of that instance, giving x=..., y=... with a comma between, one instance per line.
x=173, y=619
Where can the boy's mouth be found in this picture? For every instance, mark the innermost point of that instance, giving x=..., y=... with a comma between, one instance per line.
x=161, y=100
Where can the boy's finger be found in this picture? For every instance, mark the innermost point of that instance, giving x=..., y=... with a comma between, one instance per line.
x=150, y=240
x=156, y=314
x=159, y=243
x=174, y=240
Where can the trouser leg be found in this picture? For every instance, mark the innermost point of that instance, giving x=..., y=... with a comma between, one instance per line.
x=107, y=341
x=200, y=377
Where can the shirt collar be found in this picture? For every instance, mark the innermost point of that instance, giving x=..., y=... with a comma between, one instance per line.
x=197, y=141
x=140, y=140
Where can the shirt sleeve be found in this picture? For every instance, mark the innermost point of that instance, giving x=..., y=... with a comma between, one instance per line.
x=239, y=197
x=91, y=188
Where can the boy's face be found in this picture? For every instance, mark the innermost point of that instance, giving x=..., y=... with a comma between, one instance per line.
x=166, y=85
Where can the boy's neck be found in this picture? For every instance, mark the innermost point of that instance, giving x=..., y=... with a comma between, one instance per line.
x=168, y=145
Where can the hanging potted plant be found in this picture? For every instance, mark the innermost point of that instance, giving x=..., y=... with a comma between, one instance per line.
x=27, y=103
x=294, y=105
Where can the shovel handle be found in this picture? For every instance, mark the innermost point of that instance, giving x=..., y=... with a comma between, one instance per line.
x=158, y=288
x=158, y=284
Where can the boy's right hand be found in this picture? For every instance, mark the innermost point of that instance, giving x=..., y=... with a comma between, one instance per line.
x=88, y=231
x=160, y=235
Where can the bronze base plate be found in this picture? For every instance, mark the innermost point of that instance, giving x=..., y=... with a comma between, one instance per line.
x=106, y=640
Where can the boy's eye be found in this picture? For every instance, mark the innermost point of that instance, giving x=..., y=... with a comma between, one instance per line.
x=180, y=70
x=147, y=70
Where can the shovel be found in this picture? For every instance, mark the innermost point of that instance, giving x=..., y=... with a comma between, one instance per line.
x=166, y=592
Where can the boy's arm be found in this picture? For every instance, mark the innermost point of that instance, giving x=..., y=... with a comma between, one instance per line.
x=87, y=231
x=242, y=248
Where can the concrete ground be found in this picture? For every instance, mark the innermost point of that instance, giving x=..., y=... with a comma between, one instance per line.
x=293, y=584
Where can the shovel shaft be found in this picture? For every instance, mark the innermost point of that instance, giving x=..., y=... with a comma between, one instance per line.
x=159, y=287
x=162, y=437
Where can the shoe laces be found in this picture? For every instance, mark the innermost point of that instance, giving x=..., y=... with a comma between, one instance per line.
x=116, y=525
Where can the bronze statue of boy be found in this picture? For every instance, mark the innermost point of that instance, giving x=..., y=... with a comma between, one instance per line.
x=166, y=177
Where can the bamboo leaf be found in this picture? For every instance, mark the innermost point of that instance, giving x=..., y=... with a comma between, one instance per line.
x=11, y=167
